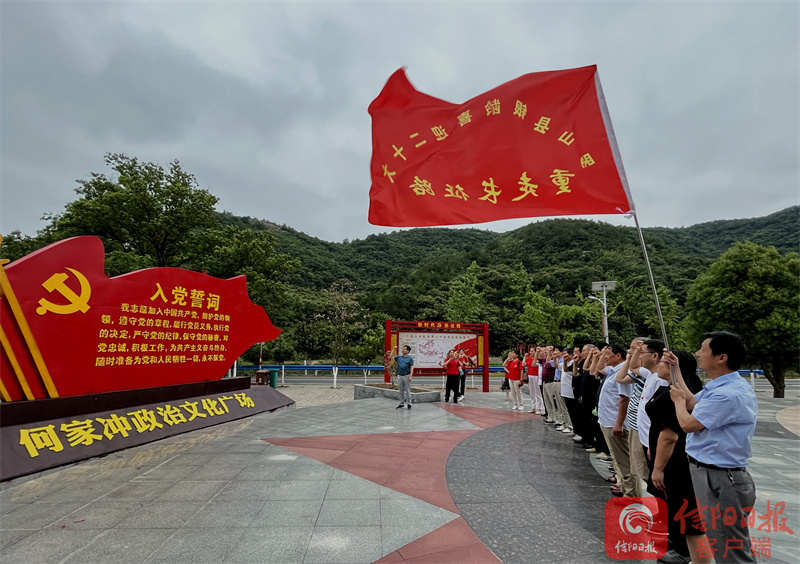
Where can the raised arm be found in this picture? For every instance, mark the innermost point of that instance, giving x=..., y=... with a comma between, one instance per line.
x=686, y=420
x=680, y=383
x=600, y=361
x=630, y=360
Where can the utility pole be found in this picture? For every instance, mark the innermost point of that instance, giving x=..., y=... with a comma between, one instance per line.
x=604, y=286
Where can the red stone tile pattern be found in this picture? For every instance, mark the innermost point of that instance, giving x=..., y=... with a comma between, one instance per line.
x=413, y=464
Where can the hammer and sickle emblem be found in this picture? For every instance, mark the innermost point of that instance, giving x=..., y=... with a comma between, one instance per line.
x=76, y=302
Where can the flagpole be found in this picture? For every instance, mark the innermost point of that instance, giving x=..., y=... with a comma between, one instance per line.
x=652, y=280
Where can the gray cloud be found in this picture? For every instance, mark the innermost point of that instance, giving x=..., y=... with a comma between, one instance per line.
x=266, y=103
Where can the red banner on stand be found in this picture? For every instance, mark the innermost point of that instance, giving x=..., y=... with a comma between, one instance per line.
x=67, y=329
x=539, y=145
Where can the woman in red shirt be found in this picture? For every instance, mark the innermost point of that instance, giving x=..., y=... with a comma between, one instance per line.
x=451, y=365
x=513, y=368
x=532, y=366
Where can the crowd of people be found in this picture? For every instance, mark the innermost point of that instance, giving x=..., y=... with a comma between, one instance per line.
x=645, y=410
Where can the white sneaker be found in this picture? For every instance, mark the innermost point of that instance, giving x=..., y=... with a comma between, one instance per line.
x=566, y=430
x=559, y=427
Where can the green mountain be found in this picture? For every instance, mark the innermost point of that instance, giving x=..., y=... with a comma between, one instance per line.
x=564, y=254
x=410, y=274
x=780, y=229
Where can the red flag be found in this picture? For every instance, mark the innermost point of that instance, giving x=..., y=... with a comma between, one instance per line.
x=539, y=145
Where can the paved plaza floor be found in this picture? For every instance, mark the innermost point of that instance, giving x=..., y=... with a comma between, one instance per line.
x=355, y=481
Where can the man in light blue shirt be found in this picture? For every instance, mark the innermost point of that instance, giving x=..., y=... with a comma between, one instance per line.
x=720, y=421
x=405, y=372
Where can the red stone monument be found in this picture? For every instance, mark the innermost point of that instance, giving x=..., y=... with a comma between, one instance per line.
x=75, y=342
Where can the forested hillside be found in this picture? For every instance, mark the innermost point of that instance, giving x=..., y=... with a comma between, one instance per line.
x=552, y=249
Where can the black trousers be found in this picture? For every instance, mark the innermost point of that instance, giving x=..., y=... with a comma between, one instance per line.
x=572, y=409
x=451, y=384
x=579, y=422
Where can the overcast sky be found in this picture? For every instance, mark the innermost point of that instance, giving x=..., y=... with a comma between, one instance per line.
x=266, y=103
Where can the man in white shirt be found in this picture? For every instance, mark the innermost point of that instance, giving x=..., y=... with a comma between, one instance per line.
x=612, y=407
x=566, y=394
x=643, y=356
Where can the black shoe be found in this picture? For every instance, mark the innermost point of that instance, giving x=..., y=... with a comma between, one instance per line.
x=399, y=406
x=674, y=557
x=409, y=406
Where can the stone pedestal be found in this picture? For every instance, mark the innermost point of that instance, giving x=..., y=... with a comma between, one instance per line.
x=361, y=391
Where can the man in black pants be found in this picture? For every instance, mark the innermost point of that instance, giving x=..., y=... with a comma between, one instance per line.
x=587, y=401
x=592, y=385
x=572, y=402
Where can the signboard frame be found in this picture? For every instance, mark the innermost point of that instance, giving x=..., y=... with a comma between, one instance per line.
x=393, y=329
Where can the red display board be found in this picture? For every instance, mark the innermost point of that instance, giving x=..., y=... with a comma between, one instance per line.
x=430, y=341
x=67, y=329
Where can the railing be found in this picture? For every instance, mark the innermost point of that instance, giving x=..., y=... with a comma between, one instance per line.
x=365, y=369
x=752, y=372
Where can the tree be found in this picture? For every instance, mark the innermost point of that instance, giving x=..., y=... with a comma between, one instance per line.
x=230, y=251
x=146, y=212
x=464, y=301
x=308, y=325
x=580, y=322
x=280, y=350
x=632, y=313
x=540, y=319
x=16, y=245
x=344, y=316
x=754, y=291
x=369, y=346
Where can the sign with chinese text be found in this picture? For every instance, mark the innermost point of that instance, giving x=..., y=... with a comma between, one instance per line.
x=539, y=145
x=430, y=349
x=35, y=446
x=69, y=330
